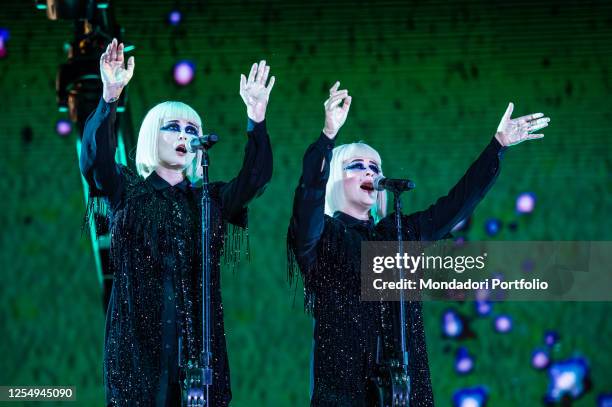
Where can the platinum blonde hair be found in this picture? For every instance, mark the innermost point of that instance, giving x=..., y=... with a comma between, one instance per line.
x=335, y=199
x=147, y=158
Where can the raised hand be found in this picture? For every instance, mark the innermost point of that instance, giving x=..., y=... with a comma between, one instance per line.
x=514, y=131
x=114, y=75
x=254, y=91
x=335, y=113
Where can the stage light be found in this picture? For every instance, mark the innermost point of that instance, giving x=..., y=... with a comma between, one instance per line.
x=174, y=17
x=184, y=72
x=540, y=359
x=503, y=324
x=493, y=226
x=483, y=307
x=452, y=325
x=63, y=127
x=525, y=202
x=568, y=379
x=464, y=362
x=551, y=338
x=470, y=397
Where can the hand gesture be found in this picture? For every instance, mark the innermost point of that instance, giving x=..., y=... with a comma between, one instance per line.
x=114, y=75
x=335, y=115
x=254, y=91
x=514, y=131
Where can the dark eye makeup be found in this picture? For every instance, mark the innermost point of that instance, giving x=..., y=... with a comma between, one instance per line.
x=189, y=129
x=360, y=166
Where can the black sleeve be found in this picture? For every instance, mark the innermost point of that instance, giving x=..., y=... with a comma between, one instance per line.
x=436, y=222
x=98, y=148
x=253, y=177
x=307, y=221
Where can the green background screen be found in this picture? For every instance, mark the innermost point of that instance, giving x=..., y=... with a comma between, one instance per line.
x=430, y=81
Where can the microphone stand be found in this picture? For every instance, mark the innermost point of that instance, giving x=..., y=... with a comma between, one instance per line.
x=199, y=373
x=391, y=380
x=402, y=313
x=207, y=371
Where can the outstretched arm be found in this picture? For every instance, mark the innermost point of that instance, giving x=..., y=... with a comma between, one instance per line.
x=256, y=168
x=307, y=221
x=436, y=222
x=97, y=160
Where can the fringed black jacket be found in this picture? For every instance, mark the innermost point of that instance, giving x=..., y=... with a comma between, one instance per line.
x=154, y=317
x=328, y=251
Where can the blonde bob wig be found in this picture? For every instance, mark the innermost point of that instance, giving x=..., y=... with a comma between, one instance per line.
x=147, y=158
x=335, y=199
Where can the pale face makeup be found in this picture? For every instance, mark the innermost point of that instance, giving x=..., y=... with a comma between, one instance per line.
x=358, y=178
x=174, y=136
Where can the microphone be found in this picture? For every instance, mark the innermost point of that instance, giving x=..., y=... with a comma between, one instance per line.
x=392, y=185
x=202, y=143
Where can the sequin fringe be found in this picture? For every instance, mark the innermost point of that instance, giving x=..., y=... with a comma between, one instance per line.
x=236, y=242
x=95, y=205
x=294, y=270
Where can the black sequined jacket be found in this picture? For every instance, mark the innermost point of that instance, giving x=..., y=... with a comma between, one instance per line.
x=327, y=251
x=154, y=315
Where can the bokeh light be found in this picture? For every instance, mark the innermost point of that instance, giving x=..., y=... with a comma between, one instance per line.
x=464, y=362
x=184, y=72
x=470, y=397
x=525, y=202
x=174, y=17
x=551, y=338
x=540, y=359
x=503, y=324
x=493, y=226
x=63, y=127
x=567, y=378
x=483, y=307
x=452, y=325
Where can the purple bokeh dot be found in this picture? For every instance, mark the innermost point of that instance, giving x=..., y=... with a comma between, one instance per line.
x=184, y=72
x=464, y=362
x=483, y=307
x=452, y=326
x=503, y=324
x=63, y=127
x=174, y=17
x=551, y=338
x=525, y=202
x=540, y=359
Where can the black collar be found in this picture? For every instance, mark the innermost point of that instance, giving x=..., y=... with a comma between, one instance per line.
x=351, y=221
x=159, y=183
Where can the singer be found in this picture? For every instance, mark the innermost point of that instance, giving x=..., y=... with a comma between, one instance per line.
x=335, y=208
x=154, y=317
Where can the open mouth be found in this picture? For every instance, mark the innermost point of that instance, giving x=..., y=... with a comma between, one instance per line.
x=181, y=149
x=367, y=186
